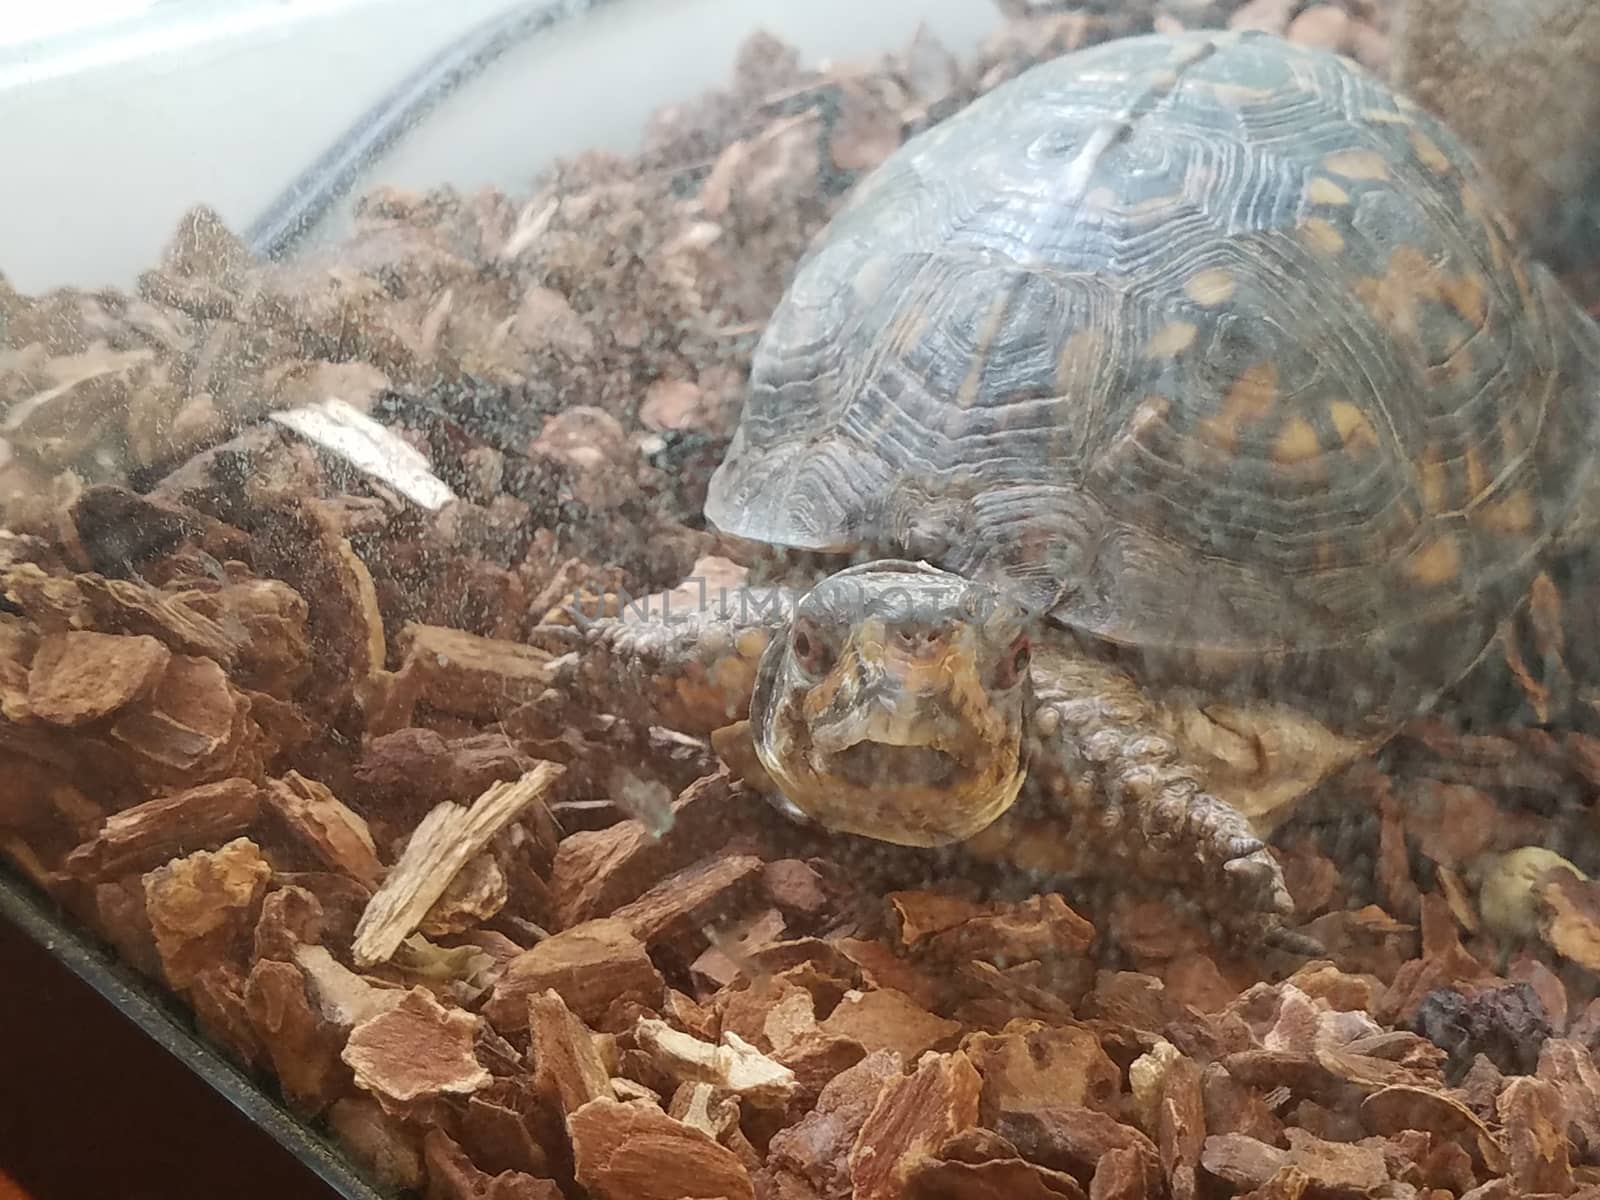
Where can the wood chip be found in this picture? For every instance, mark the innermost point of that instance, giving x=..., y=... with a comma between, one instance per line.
x=315, y=818
x=193, y=727
x=1392, y=1110
x=417, y=1050
x=445, y=841
x=1076, y=1140
x=290, y=917
x=568, y=1070
x=733, y=1065
x=1569, y=910
x=79, y=677
x=636, y=1152
x=342, y=998
x=597, y=872
x=591, y=966
x=149, y=834
x=817, y=1147
x=385, y=1148
x=202, y=906
x=304, y=1047
x=1570, y=1067
x=1032, y=1065
x=1536, y=1136
x=1240, y=1161
x=885, y=1019
x=674, y=910
x=914, y=1116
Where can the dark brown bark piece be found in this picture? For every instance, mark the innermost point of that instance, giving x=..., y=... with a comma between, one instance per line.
x=818, y=1146
x=382, y=1145
x=568, y=1070
x=1076, y=1139
x=222, y=1013
x=453, y=1176
x=303, y=1045
x=596, y=873
x=290, y=917
x=591, y=966
x=320, y=822
x=996, y=1179
x=498, y=1134
x=149, y=834
x=709, y=892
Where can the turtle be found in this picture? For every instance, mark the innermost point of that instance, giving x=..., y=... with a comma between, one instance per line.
x=1186, y=419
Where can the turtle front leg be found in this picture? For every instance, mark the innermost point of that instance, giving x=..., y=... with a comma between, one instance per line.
x=691, y=670
x=1107, y=763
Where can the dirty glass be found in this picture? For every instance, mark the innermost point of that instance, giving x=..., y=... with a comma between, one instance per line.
x=637, y=600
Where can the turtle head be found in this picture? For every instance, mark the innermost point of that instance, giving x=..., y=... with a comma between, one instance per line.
x=895, y=707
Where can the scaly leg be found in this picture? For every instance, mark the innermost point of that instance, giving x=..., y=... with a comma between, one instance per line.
x=1119, y=796
x=690, y=670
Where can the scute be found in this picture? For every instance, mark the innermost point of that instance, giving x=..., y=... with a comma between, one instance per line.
x=1209, y=346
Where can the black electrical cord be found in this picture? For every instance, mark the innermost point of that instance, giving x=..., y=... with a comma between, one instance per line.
x=297, y=209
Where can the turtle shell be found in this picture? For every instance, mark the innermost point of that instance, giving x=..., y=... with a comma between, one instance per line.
x=1212, y=347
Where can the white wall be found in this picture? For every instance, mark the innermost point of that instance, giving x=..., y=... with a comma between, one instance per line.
x=99, y=159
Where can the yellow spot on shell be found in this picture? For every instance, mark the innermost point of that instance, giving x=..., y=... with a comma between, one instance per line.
x=1251, y=398
x=1353, y=427
x=1465, y=294
x=1510, y=514
x=1436, y=563
x=1170, y=340
x=1322, y=190
x=1164, y=79
x=1321, y=235
x=1079, y=359
x=1357, y=164
x=1384, y=117
x=1297, y=442
x=1101, y=198
x=1433, y=481
x=1429, y=153
x=1212, y=286
x=1477, y=476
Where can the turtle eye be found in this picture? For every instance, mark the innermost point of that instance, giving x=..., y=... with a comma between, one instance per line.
x=1015, y=664
x=811, y=652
